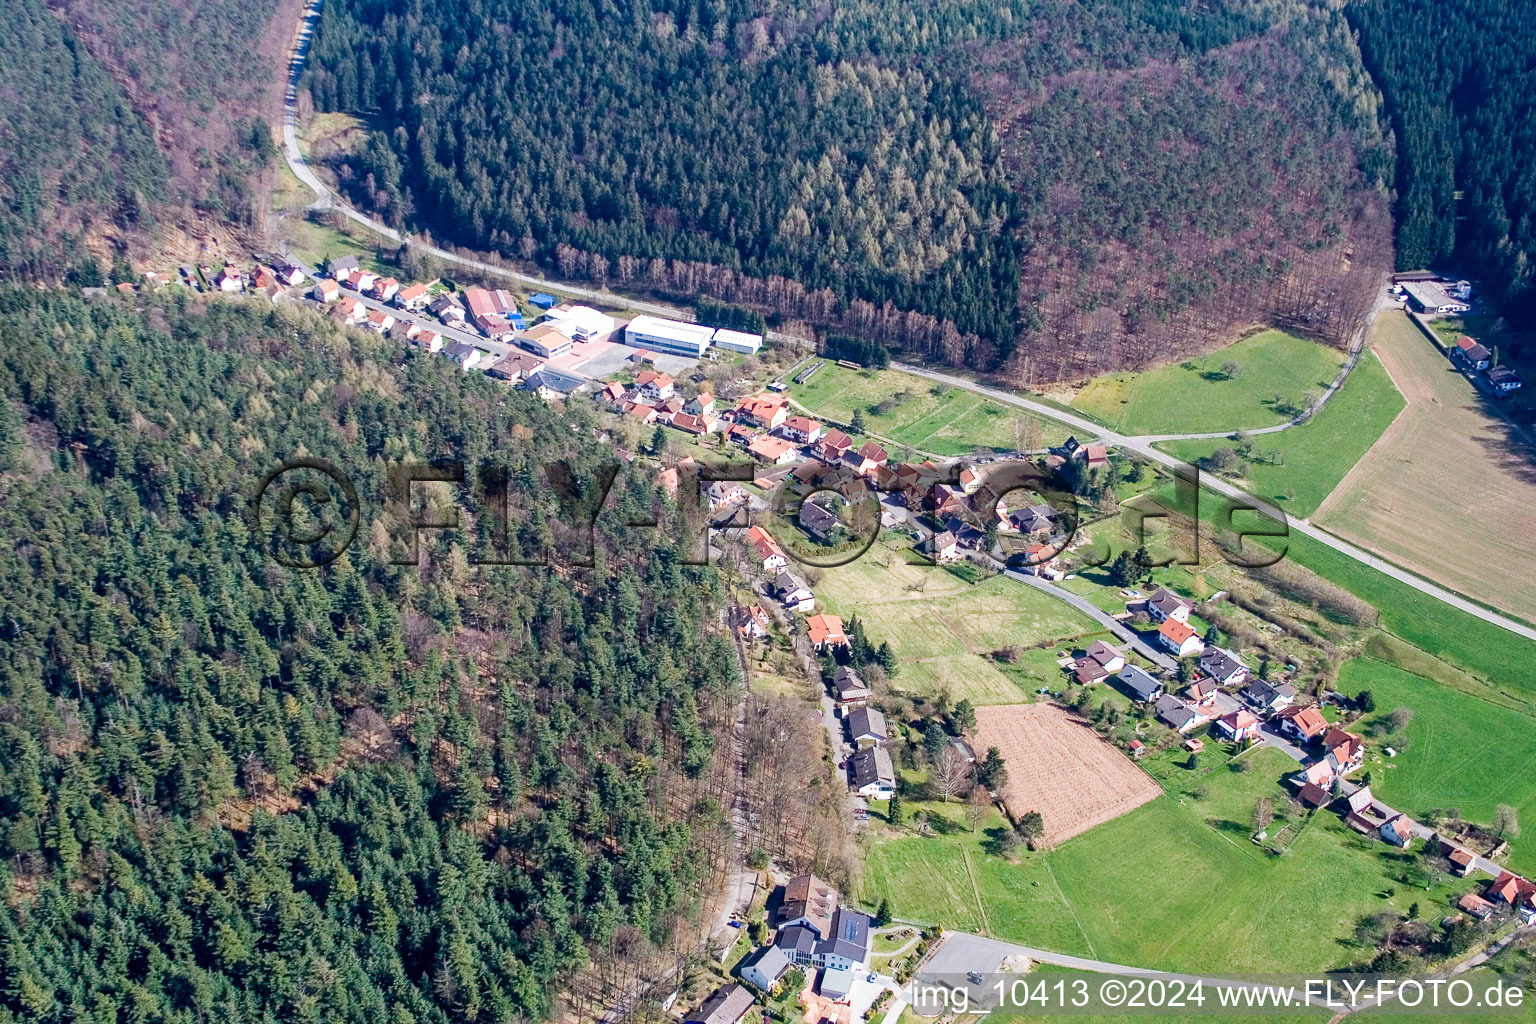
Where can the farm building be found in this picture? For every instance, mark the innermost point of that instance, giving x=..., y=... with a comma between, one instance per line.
x=1434, y=297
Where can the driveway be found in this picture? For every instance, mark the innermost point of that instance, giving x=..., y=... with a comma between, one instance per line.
x=1093, y=611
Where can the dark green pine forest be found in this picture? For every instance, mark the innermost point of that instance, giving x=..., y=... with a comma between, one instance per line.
x=1459, y=79
x=235, y=791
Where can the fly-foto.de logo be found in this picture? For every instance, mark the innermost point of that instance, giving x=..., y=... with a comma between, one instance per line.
x=306, y=512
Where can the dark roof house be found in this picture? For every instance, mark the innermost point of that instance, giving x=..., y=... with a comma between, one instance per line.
x=728, y=1005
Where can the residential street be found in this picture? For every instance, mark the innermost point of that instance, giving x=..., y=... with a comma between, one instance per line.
x=1087, y=607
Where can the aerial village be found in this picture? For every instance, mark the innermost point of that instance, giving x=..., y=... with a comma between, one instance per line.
x=811, y=951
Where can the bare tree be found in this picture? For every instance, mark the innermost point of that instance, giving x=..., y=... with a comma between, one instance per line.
x=950, y=773
x=977, y=806
x=1263, y=813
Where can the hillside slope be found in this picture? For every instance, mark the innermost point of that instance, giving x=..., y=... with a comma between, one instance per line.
x=1048, y=188
x=234, y=790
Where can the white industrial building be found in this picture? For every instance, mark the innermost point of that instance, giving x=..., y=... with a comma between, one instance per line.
x=738, y=341
x=674, y=336
x=580, y=323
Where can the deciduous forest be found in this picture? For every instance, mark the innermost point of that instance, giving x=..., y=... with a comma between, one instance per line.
x=370, y=792
x=1042, y=188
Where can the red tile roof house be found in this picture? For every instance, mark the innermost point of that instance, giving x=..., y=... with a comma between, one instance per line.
x=411, y=297
x=1398, y=830
x=1461, y=859
x=384, y=289
x=803, y=429
x=706, y=424
x=773, y=450
x=1202, y=692
x=825, y=631
x=766, y=411
x=1179, y=638
x=325, y=290
x=1239, y=726
x=1476, y=905
x=656, y=386
x=767, y=551
x=1303, y=722
x=1515, y=891
x=832, y=446
x=866, y=458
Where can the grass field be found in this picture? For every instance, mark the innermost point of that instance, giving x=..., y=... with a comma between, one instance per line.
x=930, y=417
x=1462, y=751
x=1195, y=395
x=1447, y=491
x=1298, y=468
x=1174, y=884
x=942, y=628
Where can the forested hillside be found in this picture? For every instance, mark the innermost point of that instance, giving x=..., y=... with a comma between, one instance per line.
x=77, y=165
x=132, y=128
x=1046, y=187
x=235, y=791
x=1459, y=77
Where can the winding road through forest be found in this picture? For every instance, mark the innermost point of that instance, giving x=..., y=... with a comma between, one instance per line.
x=1142, y=445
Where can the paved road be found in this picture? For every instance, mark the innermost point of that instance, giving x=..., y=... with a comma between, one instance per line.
x=327, y=199
x=1143, y=447
x=962, y=952
x=1093, y=611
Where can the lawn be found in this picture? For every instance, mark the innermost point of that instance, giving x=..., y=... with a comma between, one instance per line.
x=1196, y=395
x=922, y=415
x=1461, y=752
x=1174, y=884
x=1299, y=467
x=944, y=629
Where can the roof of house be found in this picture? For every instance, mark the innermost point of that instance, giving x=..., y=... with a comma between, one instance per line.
x=1306, y=719
x=798, y=938
x=787, y=583
x=1262, y=691
x=765, y=546
x=1166, y=601
x=1461, y=856
x=835, y=441
x=1102, y=653
x=1220, y=662
x=1474, y=904
x=411, y=291
x=1346, y=746
x=872, y=765
x=770, y=448
x=866, y=722
x=817, y=518
x=1360, y=799
x=771, y=961
x=811, y=898
x=1201, y=688
x=1313, y=795
x=1140, y=682
x=661, y=381
x=847, y=681
x=727, y=1005
x=1509, y=888
x=872, y=452
x=1173, y=711
x=1176, y=631
x=850, y=932
x=1240, y=719
x=803, y=424
x=1402, y=825
x=825, y=629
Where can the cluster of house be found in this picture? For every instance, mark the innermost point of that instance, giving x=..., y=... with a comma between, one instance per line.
x=1508, y=889
x=813, y=933
x=274, y=281
x=1477, y=361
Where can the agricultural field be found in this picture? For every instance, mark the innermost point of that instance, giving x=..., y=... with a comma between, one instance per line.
x=1197, y=395
x=1460, y=752
x=921, y=415
x=1061, y=768
x=1174, y=885
x=1298, y=468
x=1448, y=490
x=944, y=629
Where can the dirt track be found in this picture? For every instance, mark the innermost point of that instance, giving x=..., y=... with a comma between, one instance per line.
x=1061, y=768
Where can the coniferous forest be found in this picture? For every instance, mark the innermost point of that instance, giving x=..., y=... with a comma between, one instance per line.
x=1459, y=78
x=232, y=790
x=1043, y=187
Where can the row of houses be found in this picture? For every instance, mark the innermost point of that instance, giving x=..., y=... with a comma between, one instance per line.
x=1475, y=359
